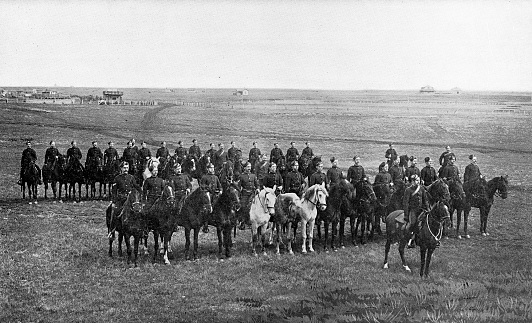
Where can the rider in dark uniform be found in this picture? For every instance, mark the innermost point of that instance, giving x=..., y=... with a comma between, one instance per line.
x=110, y=154
x=220, y=157
x=396, y=172
x=412, y=169
x=294, y=181
x=450, y=171
x=232, y=152
x=162, y=152
x=261, y=169
x=318, y=177
x=93, y=153
x=444, y=158
x=73, y=154
x=180, y=183
x=390, y=155
x=28, y=156
x=276, y=154
x=415, y=200
x=273, y=179
x=180, y=151
x=428, y=173
x=211, y=152
x=472, y=172
x=356, y=172
x=292, y=153
x=210, y=182
x=307, y=151
x=144, y=154
x=249, y=186
x=383, y=177
x=195, y=150
x=152, y=188
x=334, y=174
x=52, y=153
x=254, y=155
x=123, y=184
x=130, y=156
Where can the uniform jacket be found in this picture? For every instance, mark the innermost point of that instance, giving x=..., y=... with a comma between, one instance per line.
x=412, y=170
x=450, y=171
x=124, y=183
x=471, y=172
x=444, y=158
x=51, y=154
x=130, y=155
x=153, y=187
x=110, y=154
x=293, y=181
x=317, y=178
x=73, y=152
x=428, y=175
x=179, y=182
x=195, y=151
x=254, y=155
x=355, y=173
x=292, y=154
x=93, y=153
x=273, y=179
x=415, y=199
x=162, y=152
x=383, y=178
x=249, y=183
x=28, y=155
x=397, y=173
x=211, y=183
x=307, y=151
x=276, y=154
x=181, y=152
x=333, y=176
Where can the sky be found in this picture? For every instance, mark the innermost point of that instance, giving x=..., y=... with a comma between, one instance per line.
x=343, y=45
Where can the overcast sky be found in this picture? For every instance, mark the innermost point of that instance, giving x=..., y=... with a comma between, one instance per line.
x=353, y=45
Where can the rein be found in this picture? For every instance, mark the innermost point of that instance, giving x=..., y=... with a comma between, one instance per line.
x=266, y=208
x=439, y=234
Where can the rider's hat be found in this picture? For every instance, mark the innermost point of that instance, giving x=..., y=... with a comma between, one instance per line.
x=413, y=177
x=412, y=158
x=355, y=157
x=427, y=159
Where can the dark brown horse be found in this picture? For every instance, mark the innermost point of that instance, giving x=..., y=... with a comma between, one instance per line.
x=75, y=174
x=224, y=218
x=457, y=203
x=431, y=231
x=94, y=174
x=480, y=194
x=30, y=178
x=195, y=212
x=340, y=194
x=129, y=221
x=383, y=192
x=364, y=203
x=110, y=170
x=52, y=174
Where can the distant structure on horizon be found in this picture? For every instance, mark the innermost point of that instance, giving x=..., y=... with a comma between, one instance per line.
x=427, y=89
x=456, y=90
x=111, y=97
x=241, y=92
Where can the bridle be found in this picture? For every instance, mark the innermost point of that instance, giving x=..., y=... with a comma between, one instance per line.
x=265, y=205
x=317, y=203
x=439, y=234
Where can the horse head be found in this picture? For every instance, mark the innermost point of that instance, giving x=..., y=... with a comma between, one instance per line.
x=364, y=191
x=439, y=191
x=440, y=213
x=135, y=201
x=168, y=195
x=234, y=197
x=205, y=201
x=502, y=186
x=317, y=195
x=456, y=189
x=267, y=199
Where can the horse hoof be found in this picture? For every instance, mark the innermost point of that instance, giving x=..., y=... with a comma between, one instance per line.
x=255, y=255
x=60, y=201
x=265, y=254
x=291, y=252
x=304, y=252
x=459, y=237
x=310, y=249
x=166, y=262
x=30, y=203
x=385, y=266
x=467, y=236
x=484, y=234
x=407, y=269
x=487, y=233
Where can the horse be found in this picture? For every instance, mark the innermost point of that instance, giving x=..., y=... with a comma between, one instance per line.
x=94, y=174
x=339, y=194
x=74, y=174
x=282, y=167
x=111, y=169
x=396, y=200
x=439, y=192
x=313, y=166
x=226, y=174
x=457, y=203
x=480, y=194
x=261, y=210
x=224, y=218
x=202, y=165
x=430, y=233
x=151, y=162
x=188, y=166
x=30, y=178
x=52, y=173
x=196, y=211
x=162, y=219
x=403, y=161
x=383, y=192
x=166, y=166
x=303, y=164
x=364, y=206
x=287, y=214
x=129, y=222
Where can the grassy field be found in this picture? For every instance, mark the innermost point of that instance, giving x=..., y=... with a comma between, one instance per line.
x=54, y=265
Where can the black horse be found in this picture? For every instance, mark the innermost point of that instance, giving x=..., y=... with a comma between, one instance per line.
x=439, y=192
x=431, y=231
x=383, y=192
x=195, y=212
x=190, y=168
x=129, y=221
x=53, y=174
x=224, y=217
x=396, y=200
x=480, y=194
x=457, y=203
x=341, y=194
x=364, y=202
x=31, y=175
x=75, y=174
x=111, y=169
x=167, y=166
x=94, y=173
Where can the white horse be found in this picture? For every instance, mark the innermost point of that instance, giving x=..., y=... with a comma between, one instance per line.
x=314, y=198
x=150, y=161
x=262, y=208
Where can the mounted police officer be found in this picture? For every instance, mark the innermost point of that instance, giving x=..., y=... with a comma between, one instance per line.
x=130, y=156
x=249, y=185
x=51, y=154
x=450, y=171
x=412, y=169
x=210, y=182
x=143, y=156
x=180, y=151
x=73, y=154
x=162, y=152
x=110, y=154
x=220, y=157
x=180, y=183
x=396, y=173
x=307, y=151
x=428, y=173
x=444, y=158
x=28, y=156
x=390, y=155
x=292, y=153
x=124, y=183
x=152, y=188
x=276, y=154
x=415, y=201
x=294, y=181
x=232, y=152
x=195, y=150
x=93, y=153
x=254, y=155
x=261, y=169
x=472, y=172
x=356, y=172
x=211, y=152
x=318, y=177
x=383, y=177
x=334, y=174
x=226, y=174
x=273, y=179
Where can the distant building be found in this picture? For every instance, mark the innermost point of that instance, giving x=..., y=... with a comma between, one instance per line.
x=427, y=89
x=455, y=90
x=241, y=92
x=111, y=97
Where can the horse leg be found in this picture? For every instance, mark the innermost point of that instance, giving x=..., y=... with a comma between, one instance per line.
x=290, y=237
x=263, y=231
x=196, y=233
x=311, y=234
x=128, y=246
x=486, y=214
x=277, y=238
x=166, y=242
x=187, y=243
x=458, y=220
x=387, y=250
x=304, y=236
x=354, y=224
x=254, y=232
x=341, y=233
x=423, y=252
x=402, y=245
x=334, y=228
x=136, y=240
x=220, y=242
x=465, y=223
x=326, y=229
x=111, y=238
x=155, y=245
x=427, y=264
x=120, y=239
x=227, y=240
